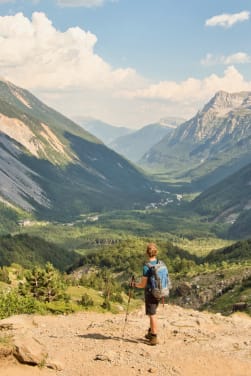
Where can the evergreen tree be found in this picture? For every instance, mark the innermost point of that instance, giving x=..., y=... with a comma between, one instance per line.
x=43, y=284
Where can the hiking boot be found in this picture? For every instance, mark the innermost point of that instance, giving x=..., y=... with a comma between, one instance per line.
x=153, y=340
x=149, y=334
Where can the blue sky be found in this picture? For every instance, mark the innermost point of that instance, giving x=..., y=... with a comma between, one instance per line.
x=126, y=62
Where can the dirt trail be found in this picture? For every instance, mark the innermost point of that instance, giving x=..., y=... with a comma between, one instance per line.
x=191, y=343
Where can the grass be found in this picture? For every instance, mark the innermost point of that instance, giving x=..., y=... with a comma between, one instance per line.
x=6, y=344
x=174, y=224
x=202, y=246
x=76, y=293
x=5, y=340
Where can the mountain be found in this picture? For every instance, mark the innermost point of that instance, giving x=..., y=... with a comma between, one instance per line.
x=134, y=145
x=229, y=201
x=9, y=218
x=214, y=143
x=52, y=167
x=105, y=132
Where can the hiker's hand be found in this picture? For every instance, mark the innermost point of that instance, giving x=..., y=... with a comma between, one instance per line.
x=133, y=284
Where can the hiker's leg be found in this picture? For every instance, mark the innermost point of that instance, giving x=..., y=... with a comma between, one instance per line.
x=151, y=307
x=153, y=324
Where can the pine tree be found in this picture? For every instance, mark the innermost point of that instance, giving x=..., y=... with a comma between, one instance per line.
x=43, y=284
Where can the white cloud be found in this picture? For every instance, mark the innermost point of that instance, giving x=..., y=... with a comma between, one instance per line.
x=193, y=90
x=63, y=69
x=81, y=3
x=228, y=20
x=237, y=58
x=52, y=58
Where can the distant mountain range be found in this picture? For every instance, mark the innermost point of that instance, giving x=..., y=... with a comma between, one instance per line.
x=134, y=145
x=51, y=166
x=103, y=131
x=212, y=145
x=130, y=143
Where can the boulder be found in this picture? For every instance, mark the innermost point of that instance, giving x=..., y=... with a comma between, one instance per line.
x=29, y=350
x=184, y=289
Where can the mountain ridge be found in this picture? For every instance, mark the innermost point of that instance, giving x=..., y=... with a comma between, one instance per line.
x=134, y=145
x=218, y=135
x=103, y=131
x=47, y=162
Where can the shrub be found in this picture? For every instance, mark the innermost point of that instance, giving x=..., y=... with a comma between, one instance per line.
x=4, y=275
x=86, y=300
x=11, y=303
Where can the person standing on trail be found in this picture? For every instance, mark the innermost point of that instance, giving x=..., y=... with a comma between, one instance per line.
x=151, y=303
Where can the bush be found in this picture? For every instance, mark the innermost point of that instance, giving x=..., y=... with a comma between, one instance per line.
x=117, y=297
x=11, y=303
x=86, y=300
x=106, y=304
x=4, y=275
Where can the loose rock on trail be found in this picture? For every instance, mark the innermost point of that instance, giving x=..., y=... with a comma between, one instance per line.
x=191, y=343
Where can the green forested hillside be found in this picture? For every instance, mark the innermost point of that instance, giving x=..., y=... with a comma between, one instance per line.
x=229, y=202
x=239, y=251
x=8, y=219
x=28, y=251
x=241, y=228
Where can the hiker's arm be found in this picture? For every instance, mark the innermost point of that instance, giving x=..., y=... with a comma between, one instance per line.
x=141, y=284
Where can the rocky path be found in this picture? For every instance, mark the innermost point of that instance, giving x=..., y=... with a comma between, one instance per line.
x=191, y=343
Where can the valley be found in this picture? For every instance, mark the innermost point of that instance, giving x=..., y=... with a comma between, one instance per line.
x=125, y=140
x=71, y=203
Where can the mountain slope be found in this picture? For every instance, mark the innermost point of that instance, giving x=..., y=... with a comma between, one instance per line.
x=136, y=144
x=229, y=201
x=214, y=143
x=50, y=165
x=103, y=131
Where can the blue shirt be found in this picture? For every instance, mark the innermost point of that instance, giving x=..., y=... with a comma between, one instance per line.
x=146, y=270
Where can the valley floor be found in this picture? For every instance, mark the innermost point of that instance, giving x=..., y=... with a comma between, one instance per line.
x=191, y=343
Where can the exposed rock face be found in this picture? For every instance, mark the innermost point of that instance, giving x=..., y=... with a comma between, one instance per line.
x=219, y=135
x=223, y=102
x=17, y=181
x=184, y=289
x=226, y=116
x=52, y=166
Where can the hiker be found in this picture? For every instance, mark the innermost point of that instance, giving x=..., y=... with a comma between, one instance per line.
x=151, y=303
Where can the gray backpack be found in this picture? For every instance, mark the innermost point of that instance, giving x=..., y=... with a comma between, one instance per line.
x=159, y=280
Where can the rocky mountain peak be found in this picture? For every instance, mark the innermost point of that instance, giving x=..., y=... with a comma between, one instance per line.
x=223, y=102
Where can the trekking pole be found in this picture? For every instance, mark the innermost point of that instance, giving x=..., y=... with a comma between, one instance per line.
x=128, y=303
x=163, y=301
